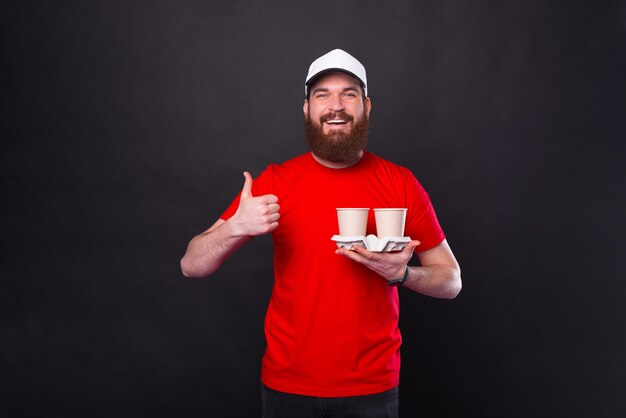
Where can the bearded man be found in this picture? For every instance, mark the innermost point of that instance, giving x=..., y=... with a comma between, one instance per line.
x=333, y=343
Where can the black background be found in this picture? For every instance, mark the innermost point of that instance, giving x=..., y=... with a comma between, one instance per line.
x=125, y=129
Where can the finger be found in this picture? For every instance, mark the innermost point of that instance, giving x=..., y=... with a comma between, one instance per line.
x=364, y=252
x=351, y=254
x=247, y=185
x=273, y=208
x=268, y=199
x=358, y=253
x=273, y=217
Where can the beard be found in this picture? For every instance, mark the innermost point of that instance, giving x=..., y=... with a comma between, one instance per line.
x=337, y=147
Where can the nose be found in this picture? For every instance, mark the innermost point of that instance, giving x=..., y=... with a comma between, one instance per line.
x=335, y=104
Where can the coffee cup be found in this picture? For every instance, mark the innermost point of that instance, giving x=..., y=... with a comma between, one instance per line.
x=352, y=221
x=390, y=222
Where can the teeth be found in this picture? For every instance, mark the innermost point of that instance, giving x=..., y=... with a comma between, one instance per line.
x=336, y=121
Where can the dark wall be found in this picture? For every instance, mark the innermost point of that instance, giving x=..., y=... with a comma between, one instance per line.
x=125, y=129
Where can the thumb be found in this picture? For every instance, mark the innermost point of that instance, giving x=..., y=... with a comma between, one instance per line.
x=410, y=247
x=247, y=185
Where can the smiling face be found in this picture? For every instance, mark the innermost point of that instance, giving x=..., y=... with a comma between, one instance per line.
x=336, y=118
x=335, y=100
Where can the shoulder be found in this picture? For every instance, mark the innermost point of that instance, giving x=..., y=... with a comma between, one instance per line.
x=381, y=164
x=297, y=163
x=276, y=174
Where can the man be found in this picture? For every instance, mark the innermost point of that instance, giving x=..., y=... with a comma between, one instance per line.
x=332, y=323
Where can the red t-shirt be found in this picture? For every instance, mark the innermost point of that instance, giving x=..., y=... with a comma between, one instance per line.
x=332, y=324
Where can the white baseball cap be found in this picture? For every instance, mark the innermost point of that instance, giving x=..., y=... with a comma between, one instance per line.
x=336, y=60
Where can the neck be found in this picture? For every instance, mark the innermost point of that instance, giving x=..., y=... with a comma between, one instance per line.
x=332, y=164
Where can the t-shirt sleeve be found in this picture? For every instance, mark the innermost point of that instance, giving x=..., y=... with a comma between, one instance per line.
x=261, y=185
x=421, y=223
x=232, y=208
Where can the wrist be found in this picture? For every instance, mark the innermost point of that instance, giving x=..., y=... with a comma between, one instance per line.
x=401, y=280
x=236, y=229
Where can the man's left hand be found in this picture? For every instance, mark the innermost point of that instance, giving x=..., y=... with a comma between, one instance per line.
x=388, y=265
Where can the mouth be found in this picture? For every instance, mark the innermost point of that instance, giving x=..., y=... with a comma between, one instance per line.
x=336, y=122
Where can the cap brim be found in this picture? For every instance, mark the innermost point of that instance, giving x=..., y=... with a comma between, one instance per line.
x=314, y=78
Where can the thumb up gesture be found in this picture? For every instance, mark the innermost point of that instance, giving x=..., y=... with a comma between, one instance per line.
x=255, y=215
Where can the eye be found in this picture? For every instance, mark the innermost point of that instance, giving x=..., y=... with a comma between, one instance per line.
x=321, y=95
x=350, y=94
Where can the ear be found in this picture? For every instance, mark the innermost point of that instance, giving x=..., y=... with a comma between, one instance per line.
x=305, y=107
x=367, y=104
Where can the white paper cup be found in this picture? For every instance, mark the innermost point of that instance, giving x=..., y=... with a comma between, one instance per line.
x=390, y=222
x=352, y=221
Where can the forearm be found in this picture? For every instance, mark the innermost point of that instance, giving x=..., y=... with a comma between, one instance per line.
x=207, y=251
x=440, y=281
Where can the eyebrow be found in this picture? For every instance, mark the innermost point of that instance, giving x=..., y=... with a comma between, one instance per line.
x=324, y=89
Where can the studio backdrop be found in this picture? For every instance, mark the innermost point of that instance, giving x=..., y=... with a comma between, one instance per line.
x=125, y=130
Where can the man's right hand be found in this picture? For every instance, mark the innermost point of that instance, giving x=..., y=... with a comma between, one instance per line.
x=255, y=215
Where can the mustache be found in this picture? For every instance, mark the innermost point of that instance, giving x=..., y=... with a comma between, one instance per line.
x=336, y=115
x=336, y=146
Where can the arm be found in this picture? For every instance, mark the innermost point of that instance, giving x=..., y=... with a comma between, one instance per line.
x=255, y=216
x=439, y=274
